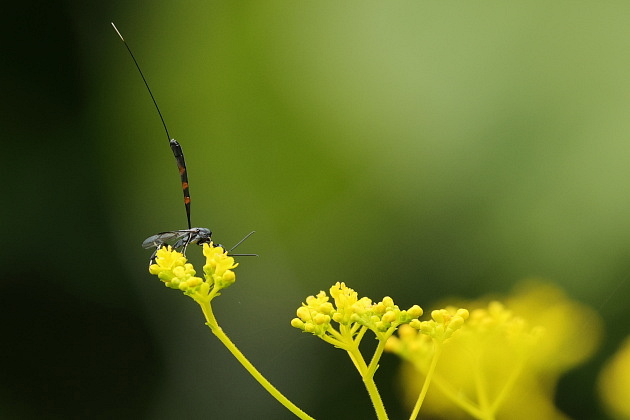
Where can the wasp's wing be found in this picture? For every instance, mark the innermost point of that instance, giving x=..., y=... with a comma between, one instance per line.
x=160, y=239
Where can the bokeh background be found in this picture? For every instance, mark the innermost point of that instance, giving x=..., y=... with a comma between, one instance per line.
x=411, y=149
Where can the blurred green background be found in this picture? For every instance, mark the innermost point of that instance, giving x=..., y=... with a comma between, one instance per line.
x=411, y=149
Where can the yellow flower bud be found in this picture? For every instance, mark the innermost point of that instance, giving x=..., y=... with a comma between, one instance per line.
x=415, y=311
x=389, y=316
x=303, y=313
x=297, y=323
x=321, y=319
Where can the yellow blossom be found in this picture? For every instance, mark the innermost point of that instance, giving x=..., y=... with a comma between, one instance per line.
x=354, y=316
x=444, y=323
x=614, y=383
x=218, y=267
x=314, y=316
x=172, y=268
x=352, y=312
x=505, y=359
x=347, y=303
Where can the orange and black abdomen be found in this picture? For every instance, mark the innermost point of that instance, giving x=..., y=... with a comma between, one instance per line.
x=181, y=166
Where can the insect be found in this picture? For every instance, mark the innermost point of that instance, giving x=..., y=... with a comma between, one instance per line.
x=178, y=238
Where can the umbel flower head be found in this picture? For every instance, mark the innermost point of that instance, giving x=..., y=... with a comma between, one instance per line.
x=175, y=272
x=417, y=341
x=505, y=359
x=351, y=313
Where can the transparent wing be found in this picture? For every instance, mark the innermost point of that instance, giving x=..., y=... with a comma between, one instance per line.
x=178, y=238
x=162, y=238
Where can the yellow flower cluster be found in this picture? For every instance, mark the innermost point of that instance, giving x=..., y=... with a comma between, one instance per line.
x=314, y=316
x=497, y=364
x=614, y=382
x=443, y=324
x=382, y=318
x=172, y=268
x=218, y=267
x=354, y=316
x=416, y=342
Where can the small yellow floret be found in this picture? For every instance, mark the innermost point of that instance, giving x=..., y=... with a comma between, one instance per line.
x=172, y=268
x=444, y=323
x=218, y=267
x=297, y=323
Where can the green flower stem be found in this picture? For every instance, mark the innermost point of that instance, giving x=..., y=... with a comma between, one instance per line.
x=482, y=392
x=457, y=398
x=367, y=375
x=335, y=337
x=375, y=397
x=357, y=363
x=473, y=409
x=382, y=340
x=427, y=381
x=211, y=322
x=509, y=384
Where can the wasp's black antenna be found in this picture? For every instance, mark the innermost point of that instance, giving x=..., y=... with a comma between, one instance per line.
x=168, y=137
x=240, y=242
x=175, y=147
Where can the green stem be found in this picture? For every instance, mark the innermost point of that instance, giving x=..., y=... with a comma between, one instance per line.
x=368, y=380
x=509, y=384
x=457, y=397
x=375, y=397
x=211, y=322
x=427, y=381
x=482, y=392
x=376, y=357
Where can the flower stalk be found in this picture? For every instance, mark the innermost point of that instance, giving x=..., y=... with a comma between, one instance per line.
x=354, y=317
x=172, y=269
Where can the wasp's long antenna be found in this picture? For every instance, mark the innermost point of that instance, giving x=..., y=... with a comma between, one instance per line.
x=175, y=147
x=168, y=137
x=240, y=242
